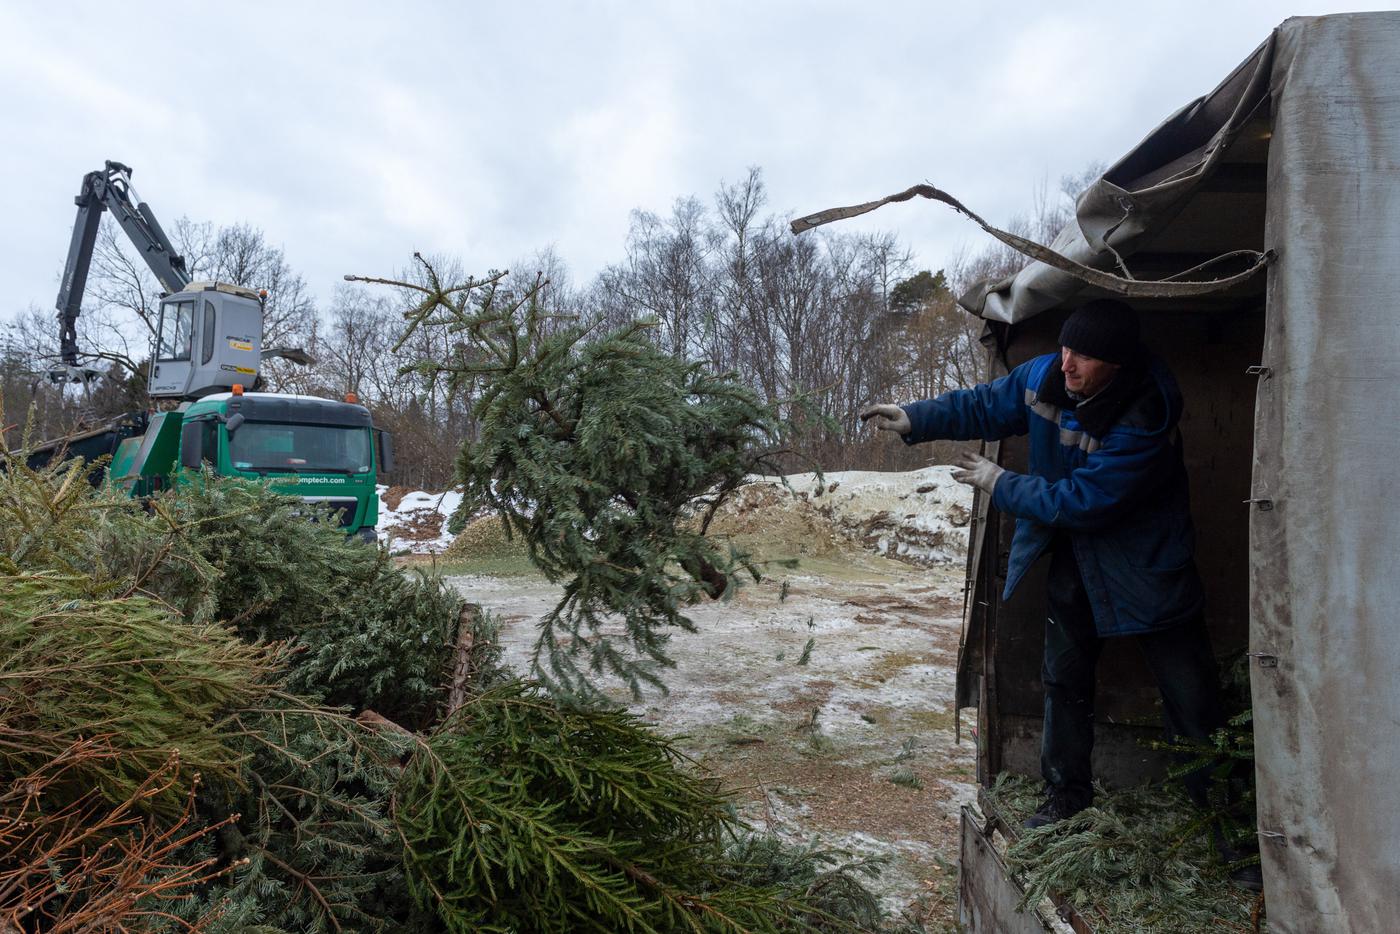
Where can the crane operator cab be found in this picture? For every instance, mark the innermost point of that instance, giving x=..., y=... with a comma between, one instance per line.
x=209, y=337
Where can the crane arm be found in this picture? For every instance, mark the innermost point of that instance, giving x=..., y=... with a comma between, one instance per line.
x=110, y=189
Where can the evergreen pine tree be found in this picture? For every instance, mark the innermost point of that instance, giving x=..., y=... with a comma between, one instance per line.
x=608, y=455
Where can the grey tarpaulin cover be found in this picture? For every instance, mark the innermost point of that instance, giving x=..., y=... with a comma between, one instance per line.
x=1325, y=559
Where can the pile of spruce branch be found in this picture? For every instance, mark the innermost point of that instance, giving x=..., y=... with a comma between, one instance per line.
x=217, y=716
x=1140, y=860
x=518, y=814
x=195, y=638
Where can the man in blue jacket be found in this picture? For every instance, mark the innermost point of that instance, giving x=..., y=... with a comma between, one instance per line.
x=1106, y=497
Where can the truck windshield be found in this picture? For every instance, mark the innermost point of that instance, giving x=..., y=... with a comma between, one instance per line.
x=274, y=446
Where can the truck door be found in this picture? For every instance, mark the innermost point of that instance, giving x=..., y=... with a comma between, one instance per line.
x=174, y=342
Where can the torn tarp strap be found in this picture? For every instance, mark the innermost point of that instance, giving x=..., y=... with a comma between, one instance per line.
x=1175, y=286
x=803, y=224
x=1137, y=197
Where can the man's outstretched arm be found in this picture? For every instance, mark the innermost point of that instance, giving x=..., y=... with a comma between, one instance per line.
x=990, y=411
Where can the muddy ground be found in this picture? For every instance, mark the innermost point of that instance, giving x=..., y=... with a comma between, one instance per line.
x=852, y=745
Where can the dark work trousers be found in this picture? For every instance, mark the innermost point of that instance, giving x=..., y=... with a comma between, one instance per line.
x=1180, y=659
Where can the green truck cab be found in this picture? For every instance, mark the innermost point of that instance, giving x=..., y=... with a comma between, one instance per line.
x=325, y=452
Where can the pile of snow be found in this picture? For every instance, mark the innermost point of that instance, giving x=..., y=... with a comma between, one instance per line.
x=920, y=516
x=418, y=522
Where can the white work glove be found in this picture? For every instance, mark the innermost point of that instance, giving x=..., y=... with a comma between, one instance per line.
x=976, y=470
x=888, y=418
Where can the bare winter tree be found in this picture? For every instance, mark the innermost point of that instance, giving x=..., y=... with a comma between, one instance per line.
x=745, y=237
x=242, y=256
x=666, y=275
x=794, y=317
x=354, y=345
x=28, y=349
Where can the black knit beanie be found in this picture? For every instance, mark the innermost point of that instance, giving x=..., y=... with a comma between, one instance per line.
x=1104, y=329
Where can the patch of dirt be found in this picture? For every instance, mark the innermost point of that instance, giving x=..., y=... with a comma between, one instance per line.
x=890, y=604
x=843, y=798
x=808, y=701
x=416, y=560
x=946, y=642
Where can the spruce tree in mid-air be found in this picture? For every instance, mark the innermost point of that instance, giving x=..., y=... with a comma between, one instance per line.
x=608, y=455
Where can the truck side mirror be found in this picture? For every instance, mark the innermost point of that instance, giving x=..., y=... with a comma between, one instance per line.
x=233, y=421
x=191, y=445
x=386, y=452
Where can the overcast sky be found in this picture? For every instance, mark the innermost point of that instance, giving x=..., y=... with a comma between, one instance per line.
x=356, y=133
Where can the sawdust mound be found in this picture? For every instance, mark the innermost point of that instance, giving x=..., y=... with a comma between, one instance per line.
x=485, y=537
x=394, y=495
x=920, y=518
x=775, y=522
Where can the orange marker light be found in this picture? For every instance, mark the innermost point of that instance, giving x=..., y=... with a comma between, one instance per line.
x=238, y=389
x=351, y=398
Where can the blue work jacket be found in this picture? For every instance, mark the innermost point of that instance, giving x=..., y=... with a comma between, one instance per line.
x=1121, y=497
